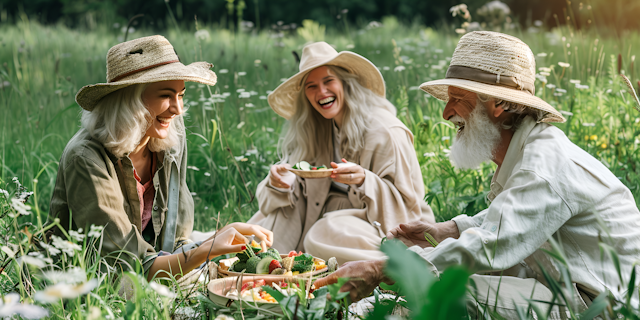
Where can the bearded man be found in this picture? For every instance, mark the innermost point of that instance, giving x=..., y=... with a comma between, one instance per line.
x=545, y=188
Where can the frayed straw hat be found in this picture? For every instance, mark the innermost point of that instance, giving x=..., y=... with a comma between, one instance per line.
x=495, y=64
x=283, y=99
x=143, y=60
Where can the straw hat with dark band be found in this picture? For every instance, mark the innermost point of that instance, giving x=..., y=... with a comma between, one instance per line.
x=283, y=99
x=495, y=64
x=144, y=60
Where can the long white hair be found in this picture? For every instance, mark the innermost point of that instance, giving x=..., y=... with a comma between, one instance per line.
x=308, y=133
x=120, y=120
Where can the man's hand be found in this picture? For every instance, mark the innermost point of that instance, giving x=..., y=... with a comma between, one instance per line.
x=413, y=233
x=364, y=277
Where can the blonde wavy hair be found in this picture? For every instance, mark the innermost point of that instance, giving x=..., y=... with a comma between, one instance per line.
x=308, y=133
x=121, y=119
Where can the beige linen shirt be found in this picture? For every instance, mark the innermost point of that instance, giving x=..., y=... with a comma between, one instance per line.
x=94, y=187
x=392, y=192
x=548, y=187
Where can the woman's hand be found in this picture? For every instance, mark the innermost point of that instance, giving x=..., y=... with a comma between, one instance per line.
x=227, y=240
x=252, y=229
x=348, y=174
x=279, y=176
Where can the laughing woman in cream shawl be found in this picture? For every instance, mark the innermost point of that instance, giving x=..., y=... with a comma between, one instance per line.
x=336, y=109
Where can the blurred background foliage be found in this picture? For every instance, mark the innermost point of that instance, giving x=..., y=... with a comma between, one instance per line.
x=617, y=15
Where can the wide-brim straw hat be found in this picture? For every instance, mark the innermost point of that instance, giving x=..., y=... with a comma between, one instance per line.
x=283, y=99
x=497, y=65
x=144, y=60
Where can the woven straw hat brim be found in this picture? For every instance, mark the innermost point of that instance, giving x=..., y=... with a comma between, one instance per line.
x=283, y=99
x=89, y=95
x=440, y=88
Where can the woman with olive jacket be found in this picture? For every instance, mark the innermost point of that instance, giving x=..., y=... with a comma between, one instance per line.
x=336, y=110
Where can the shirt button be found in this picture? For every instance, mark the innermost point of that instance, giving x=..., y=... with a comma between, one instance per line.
x=317, y=203
x=155, y=208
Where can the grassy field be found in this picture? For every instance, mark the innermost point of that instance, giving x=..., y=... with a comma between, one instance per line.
x=42, y=67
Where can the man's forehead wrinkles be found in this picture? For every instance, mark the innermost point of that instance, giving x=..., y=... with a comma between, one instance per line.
x=460, y=94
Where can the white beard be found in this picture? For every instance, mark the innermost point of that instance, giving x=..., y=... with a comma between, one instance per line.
x=477, y=140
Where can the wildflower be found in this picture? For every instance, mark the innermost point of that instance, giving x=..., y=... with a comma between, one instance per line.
x=202, y=35
x=461, y=10
x=240, y=125
x=430, y=154
x=586, y=138
x=351, y=46
x=5, y=193
x=283, y=79
x=194, y=168
x=207, y=174
x=63, y=290
x=8, y=251
x=20, y=207
x=223, y=71
x=461, y=31
x=551, y=86
x=10, y=305
x=399, y=69
x=38, y=261
x=385, y=68
x=544, y=69
x=493, y=6
x=588, y=124
x=72, y=275
x=263, y=97
x=223, y=317
x=566, y=113
x=162, y=290
x=537, y=23
x=561, y=90
x=249, y=105
x=95, y=231
x=582, y=86
x=603, y=146
x=51, y=249
x=542, y=55
x=593, y=137
x=65, y=246
x=77, y=235
x=374, y=24
x=242, y=73
x=445, y=138
x=574, y=81
x=564, y=64
x=244, y=95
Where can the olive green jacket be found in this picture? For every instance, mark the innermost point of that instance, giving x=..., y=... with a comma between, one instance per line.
x=94, y=187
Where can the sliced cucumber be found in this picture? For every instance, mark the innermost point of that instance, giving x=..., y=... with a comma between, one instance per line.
x=303, y=165
x=263, y=265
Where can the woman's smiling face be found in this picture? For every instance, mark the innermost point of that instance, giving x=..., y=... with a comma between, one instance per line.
x=164, y=101
x=325, y=92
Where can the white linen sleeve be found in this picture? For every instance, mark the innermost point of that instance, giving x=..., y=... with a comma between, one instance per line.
x=516, y=224
x=465, y=222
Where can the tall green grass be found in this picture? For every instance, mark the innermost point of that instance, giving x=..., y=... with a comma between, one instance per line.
x=232, y=132
x=43, y=67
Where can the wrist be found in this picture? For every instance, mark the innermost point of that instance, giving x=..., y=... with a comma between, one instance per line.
x=450, y=230
x=379, y=266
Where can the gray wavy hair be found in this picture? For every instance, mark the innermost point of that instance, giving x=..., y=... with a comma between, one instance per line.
x=519, y=110
x=121, y=119
x=308, y=133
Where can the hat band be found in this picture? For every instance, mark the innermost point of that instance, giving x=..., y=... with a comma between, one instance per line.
x=473, y=74
x=120, y=77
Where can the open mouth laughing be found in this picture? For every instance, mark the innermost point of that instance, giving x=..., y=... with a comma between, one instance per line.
x=327, y=102
x=165, y=121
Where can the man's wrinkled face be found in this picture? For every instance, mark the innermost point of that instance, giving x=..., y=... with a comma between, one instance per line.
x=477, y=137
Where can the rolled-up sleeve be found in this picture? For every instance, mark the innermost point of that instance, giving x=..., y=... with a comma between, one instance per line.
x=516, y=224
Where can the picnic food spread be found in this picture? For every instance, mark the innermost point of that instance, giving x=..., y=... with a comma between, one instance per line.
x=253, y=291
x=255, y=259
